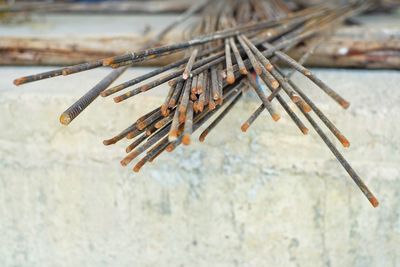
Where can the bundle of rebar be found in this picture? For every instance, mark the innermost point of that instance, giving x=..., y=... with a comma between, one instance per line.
x=234, y=45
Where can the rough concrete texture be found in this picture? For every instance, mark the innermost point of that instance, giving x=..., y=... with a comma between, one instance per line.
x=271, y=197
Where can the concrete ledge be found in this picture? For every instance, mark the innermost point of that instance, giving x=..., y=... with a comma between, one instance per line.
x=271, y=197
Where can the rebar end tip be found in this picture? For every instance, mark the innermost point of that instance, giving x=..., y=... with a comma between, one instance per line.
x=125, y=161
x=243, y=71
x=108, y=142
x=203, y=136
x=186, y=140
x=276, y=117
x=374, y=201
x=230, y=79
x=345, y=104
x=304, y=130
x=170, y=148
x=118, y=99
x=137, y=167
x=65, y=119
x=275, y=84
x=20, y=81
x=245, y=127
x=344, y=141
x=296, y=98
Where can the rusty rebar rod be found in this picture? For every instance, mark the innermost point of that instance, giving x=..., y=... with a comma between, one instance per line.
x=211, y=77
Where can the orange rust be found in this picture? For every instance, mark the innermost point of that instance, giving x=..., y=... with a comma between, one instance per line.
x=230, y=79
x=173, y=135
x=269, y=66
x=186, y=140
x=243, y=71
x=182, y=109
x=129, y=158
x=130, y=135
x=245, y=127
x=193, y=97
x=374, y=201
x=114, y=66
x=295, y=98
x=170, y=148
x=144, y=88
x=149, y=132
x=140, y=125
x=344, y=104
x=108, y=61
x=275, y=84
x=139, y=165
x=137, y=168
x=195, y=108
x=159, y=124
x=65, y=119
x=344, y=141
x=20, y=81
x=164, y=109
x=109, y=142
x=182, y=117
x=304, y=130
x=304, y=106
x=276, y=117
x=200, y=106
x=111, y=91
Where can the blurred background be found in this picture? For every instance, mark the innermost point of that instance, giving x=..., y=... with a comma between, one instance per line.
x=268, y=197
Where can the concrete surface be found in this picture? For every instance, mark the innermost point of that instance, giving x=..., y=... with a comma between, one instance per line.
x=271, y=197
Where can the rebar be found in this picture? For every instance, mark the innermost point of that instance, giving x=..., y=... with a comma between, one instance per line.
x=231, y=46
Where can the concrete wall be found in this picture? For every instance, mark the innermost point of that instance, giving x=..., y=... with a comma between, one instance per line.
x=271, y=197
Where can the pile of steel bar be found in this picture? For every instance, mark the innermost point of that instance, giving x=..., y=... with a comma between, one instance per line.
x=235, y=45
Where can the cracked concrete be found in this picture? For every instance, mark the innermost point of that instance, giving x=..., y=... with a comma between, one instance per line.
x=270, y=197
